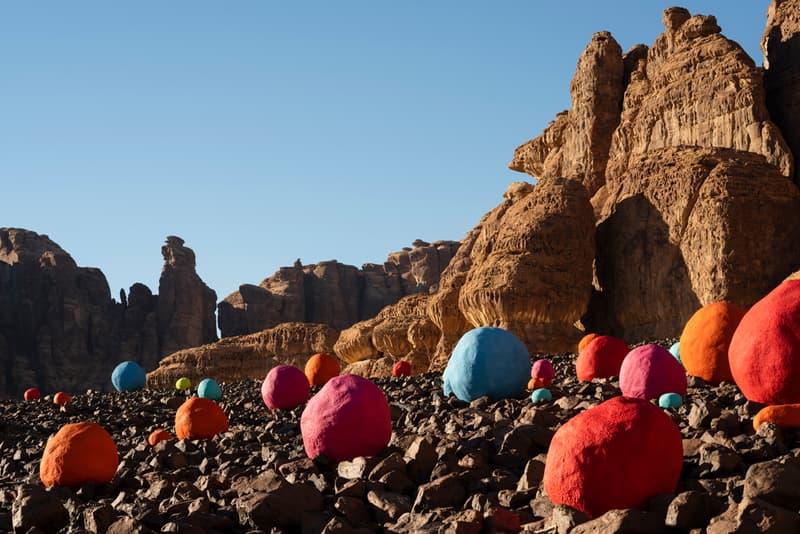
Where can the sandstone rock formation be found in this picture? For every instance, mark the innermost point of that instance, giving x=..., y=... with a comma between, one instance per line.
x=402, y=331
x=333, y=293
x=781, y=47
x=60, y=328
x=576, y=144
x=246, y=357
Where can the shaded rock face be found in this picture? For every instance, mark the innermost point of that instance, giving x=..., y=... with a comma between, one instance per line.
x=781, y=47
x=246, y=357
x=526, y=267
x=333, y=293
x=576, y=144
x=685, y=227
x=59, y=326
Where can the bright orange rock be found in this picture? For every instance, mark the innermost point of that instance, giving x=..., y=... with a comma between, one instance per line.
x=200, y=418
x=158, y=436
x=79, y=453
x=62, y=398
x=705, y=341
x=585, y=340
x=536, y=383
x=783, y=415
x=320, y=368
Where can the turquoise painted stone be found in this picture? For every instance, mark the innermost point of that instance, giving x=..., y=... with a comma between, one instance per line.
x=670, y=400
x=209, y=389
x=675, y=350
x=541, y=395
x=487, y=361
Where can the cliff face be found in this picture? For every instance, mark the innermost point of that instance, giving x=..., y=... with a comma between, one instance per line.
x=333, y=293
x=60, y=328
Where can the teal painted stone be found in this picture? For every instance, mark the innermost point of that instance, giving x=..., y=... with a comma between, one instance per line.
x=675, y=350
x=487, y=361
x=128, y=376
x=541, y=395
x=670, y=400
x=209, y=389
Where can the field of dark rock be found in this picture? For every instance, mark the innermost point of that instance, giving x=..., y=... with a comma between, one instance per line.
x=450, y=467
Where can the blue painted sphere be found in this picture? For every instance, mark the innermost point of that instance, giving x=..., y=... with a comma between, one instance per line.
x=541, y=395
x=128, y=376
x=670, y=400
x=487, y=361
x=675, y=349
x=209, y=389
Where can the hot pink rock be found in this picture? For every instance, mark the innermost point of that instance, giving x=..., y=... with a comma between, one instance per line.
x=649, y=371
x=285, y=387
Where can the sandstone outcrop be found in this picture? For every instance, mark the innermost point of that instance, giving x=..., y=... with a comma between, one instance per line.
x=61, y=330
x=246, y=357
x=334, y=293
x=781, y=47
x=402, y=331
x=576, y=145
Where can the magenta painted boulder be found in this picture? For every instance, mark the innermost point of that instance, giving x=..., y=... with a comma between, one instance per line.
x=649, y=371
x=764, y=353
x=349, y=417
x=285, y=387
x=543, y=370
x=617, y=455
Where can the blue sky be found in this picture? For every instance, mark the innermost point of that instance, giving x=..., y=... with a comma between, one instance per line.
x=261, y=132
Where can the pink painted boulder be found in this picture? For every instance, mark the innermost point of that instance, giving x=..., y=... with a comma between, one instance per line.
x=543, y=370
x=764, y=353
x=349, y=417
x=285, y=387
x=649, y=371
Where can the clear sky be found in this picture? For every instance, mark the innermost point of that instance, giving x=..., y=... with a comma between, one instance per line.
x=264, y=131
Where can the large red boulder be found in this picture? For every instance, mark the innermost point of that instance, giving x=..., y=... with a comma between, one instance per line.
x=616, y=455
x=764, y=354
x=78, y=454
x=601, y=358
x=705, y=341
x=349, y=417
x=650, y=371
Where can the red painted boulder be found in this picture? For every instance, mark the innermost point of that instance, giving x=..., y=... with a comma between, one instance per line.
x=764, y=354
x=349, y=417
x=285, y=388
x=616, y=455
x=544, y=371
x=401, y=368
x=650, y=371
x=200, y=418
x=78, y=454
x=601, y=358
x=31, y=394
x=705, y=341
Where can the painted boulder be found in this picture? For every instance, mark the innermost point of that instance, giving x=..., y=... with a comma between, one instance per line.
x=536, y=383
x=785, y=416
x=601, y=358
x=487, y=361
x=31, y=394
x=670, y=400
x=541, y=395
x=705, y=340
x=200, y=418
x=78, y=454
x=616, y=455
x=157, y=436
x=61, y=398
x=128, y=376
x=585, y=340
x=285, y=388
x=320, y=368
x=764, y=353
x=650, y=371
x=209, y=389
x=349, y=417
x=675, y=350
x=401, y=368
x=543, y=369
x=182, y=384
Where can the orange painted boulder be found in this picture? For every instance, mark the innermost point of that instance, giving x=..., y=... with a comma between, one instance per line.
x=320, y=368
x=200, y=418
x=78, y=454
x=601, y=358
x=705, y=340
x=783, y=415
x=62, y=399
x=617, y=455
x=157, y=437
x=536, y=383
x=585, y=340
x=764, y=353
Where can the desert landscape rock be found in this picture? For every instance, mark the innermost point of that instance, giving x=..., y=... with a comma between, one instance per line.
x=333, y=293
